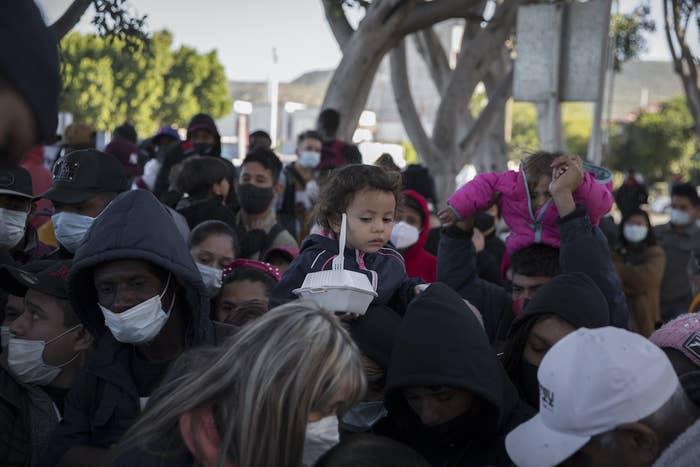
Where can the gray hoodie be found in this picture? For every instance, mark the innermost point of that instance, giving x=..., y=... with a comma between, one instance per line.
x=684, y=451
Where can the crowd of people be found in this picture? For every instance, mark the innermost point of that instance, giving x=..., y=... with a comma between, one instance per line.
x=151, y=311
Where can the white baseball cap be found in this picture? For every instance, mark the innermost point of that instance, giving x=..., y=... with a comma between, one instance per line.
x=591, y=381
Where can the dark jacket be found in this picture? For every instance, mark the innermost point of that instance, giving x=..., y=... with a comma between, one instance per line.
x=420, y=263
x=583, y=249
x=394, y=288
x=441, y=343
x=104, y=401
x=15, y=422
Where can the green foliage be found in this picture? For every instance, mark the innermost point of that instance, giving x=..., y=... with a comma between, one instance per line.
x=524, y=137
x=657, y=144
x=576, y=121
x=409, y=153
x=105, y=82
x=628, y=33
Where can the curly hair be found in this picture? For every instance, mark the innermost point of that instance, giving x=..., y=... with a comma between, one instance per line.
x=339, y=189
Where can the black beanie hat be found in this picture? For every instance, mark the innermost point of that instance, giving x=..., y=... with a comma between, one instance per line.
x=573, y=297
x=29, y=61
x=374, y=333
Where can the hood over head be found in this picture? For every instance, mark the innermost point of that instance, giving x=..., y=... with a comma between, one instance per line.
x=205, y=121
x=573, y=297
x=137, y=226
x=441, y=343
x=413, y=198
x=375, y=332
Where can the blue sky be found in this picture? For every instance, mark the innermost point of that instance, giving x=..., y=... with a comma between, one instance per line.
x=245, y=31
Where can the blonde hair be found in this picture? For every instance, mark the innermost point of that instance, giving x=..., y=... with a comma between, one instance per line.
x=262, y=384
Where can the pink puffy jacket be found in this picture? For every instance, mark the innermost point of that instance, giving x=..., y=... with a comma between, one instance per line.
x=527, y=227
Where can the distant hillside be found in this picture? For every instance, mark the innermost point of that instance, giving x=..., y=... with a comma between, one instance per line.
x=657, y=77
x=309, y=88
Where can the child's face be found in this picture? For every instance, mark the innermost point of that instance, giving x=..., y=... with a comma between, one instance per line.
x=370, y=220
x=539, y=191
x=235, y=294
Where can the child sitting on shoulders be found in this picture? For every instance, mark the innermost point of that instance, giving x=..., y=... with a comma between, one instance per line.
x=369, y=196
x=524, y=199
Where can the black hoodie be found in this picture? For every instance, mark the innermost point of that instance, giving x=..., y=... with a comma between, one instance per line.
x=104, y=400
x=572, y=297
x=441, y=343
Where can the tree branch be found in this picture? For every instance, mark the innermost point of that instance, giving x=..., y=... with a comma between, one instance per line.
x=427, y=14
x=338, y=22
x=471, y=65
x=431, y=51
x=407, y=107
x=69, y=18
x=486, y=117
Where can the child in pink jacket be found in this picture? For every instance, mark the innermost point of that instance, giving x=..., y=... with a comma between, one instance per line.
x=525, y=202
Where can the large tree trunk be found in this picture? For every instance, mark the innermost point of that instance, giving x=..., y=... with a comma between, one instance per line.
x=675, y=25
x=386, y=22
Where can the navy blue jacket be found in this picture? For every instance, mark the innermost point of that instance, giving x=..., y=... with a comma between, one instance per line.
x=583, y=248
x=394, y=288
x=104, y=401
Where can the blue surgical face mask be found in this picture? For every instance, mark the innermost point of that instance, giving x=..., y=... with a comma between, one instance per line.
x=363, y=416
x=70, y=229
x=309, y=159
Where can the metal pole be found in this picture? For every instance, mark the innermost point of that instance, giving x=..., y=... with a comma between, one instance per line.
x=549, y=111
x=595, y=154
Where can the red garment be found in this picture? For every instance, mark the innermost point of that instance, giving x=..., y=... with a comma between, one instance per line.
x=420, y=263
x=33, y=161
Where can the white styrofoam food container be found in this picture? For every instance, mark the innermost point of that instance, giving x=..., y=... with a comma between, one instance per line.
x=339, y=289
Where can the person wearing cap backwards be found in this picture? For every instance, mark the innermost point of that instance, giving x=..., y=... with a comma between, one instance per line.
x=46, y=349
x=134, y=286
x=608, y=397
x=84, y=183
x=447, y=395
x=29, y=80
x=584, y=248
x=17, y=235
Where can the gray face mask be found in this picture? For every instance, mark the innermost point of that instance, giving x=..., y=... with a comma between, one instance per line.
x=363, y=416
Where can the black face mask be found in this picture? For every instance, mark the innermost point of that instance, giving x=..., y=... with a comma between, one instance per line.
x=254, y=199
x=203, y=149
x=530, y=384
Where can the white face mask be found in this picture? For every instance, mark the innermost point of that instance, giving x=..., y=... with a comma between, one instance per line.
x=679, y=217
x=635, y=233
x=211, y=277
x=404, y=235
x=309, y=159
x=12, y=227
x=70, y=229
x=141, y=323
x=26, y=361
x=320, y=437
x=4, y=338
